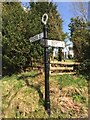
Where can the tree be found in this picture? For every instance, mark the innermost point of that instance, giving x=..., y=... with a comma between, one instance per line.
x=79, y=37
x=15, y=48
x=19, y=25
x=54, y=23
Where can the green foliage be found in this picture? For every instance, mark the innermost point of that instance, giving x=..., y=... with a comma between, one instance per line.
x=31, y=74
x=69, y=80
x=54, y=21
x=15, y=47
x=18, y=26
x=79, y=98
x=85, y=68
x=80, y=38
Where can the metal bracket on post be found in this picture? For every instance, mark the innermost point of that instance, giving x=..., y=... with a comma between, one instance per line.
x=46, y=64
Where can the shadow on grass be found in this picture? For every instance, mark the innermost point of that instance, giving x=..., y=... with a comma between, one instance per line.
x=36, y=87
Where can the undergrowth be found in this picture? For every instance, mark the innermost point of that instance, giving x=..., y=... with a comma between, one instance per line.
x=23, y=96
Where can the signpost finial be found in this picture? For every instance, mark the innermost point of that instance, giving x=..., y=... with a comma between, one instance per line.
x=44, y=18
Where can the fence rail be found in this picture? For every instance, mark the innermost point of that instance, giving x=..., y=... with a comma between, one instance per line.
x=64, y=63
x=57, y=68
x=60, y=68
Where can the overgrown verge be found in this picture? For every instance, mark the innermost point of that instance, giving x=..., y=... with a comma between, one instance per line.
x=23, y=96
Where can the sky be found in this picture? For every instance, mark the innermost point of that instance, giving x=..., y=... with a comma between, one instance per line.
x=64, y=9
x=67, y=11
x=55, y=0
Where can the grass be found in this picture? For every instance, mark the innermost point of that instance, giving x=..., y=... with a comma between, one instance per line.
x=68, y=80
x=23, y=96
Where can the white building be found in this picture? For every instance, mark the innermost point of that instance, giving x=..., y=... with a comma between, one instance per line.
x=67, y=51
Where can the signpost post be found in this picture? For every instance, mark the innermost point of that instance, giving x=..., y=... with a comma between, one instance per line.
x=46, y=43
x=46, y=64
x=42, y=36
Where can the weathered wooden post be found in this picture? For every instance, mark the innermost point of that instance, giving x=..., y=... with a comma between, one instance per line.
x=46, y=64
